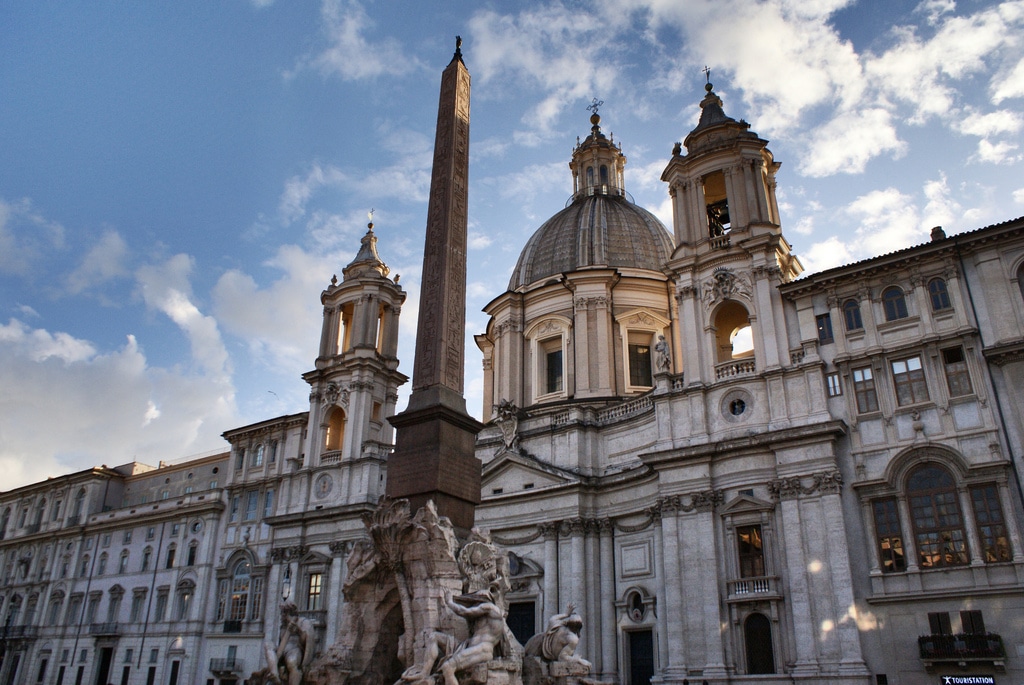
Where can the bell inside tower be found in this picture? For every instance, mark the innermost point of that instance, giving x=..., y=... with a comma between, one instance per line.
x=717, y=204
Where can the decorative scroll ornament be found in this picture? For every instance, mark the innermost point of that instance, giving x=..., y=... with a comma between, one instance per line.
x=507, y=419
x=826, y=482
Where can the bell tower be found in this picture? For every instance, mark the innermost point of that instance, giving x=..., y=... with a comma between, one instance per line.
x=730, y=253
x=354, y=387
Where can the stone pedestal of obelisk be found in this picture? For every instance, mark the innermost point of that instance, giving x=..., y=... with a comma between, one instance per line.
x=434, y=444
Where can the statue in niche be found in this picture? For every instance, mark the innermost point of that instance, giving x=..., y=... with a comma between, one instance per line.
x=718, y=218
x=664, y=359
x=287, y=663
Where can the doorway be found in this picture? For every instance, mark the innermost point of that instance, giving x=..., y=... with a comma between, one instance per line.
x=641, y=656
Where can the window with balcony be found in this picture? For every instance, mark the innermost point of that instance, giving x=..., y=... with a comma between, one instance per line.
x=314, y=590
x=751, y=551
x=334, y=431
x=909, y=382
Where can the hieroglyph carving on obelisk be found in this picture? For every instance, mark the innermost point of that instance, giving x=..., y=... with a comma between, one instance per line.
x=440, y=336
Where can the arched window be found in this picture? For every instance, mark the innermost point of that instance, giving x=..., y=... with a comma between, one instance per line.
x=186, y=590
x=257, y=456
x=147, y=557
x=76, y=512
x=604, y=175
x=936, y=517
x=40, y=510
x=240, y=585
x=851, y=315
x=733, y=332
x=102, y=568
x=56, y=604
x=12, y=610
x=894, y=303
x=938, y=294
x=83, y=569
x=590, y=176
x=757, y=634
x=335, y=434
x=122, y=566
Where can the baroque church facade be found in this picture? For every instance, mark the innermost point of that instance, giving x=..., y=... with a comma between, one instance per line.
x=736, y=473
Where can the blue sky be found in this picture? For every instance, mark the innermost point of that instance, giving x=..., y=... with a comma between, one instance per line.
x=179, y=181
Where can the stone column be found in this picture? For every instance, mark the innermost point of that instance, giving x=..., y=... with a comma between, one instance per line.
x=550, y=533
x=704, y=503
x=335, y=583
x=578, y=581
x=973, y=542
x=851, y=659
x=592, y=583
x=799, y=590
x=609, y=659
x=661, y=587
x=673, y=608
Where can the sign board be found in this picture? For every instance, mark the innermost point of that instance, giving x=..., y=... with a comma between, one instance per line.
x=967, y=680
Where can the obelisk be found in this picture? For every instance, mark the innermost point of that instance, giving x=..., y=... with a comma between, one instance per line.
x=434, y=443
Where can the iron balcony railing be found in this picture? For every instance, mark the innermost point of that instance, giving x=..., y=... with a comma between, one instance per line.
x=961, y=647
x=230, y=665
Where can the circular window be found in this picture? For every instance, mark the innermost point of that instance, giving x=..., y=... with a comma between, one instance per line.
x=736, y=405
x=215, y=469
x=197, y=526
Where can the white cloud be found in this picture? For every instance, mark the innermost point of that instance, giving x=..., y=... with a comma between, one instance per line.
x=566, y=52
x=478, y=241
x=103, y=262
x=166, y=288
x=350, y=54
x=280, y=323
x=993, y=123
x=849, y=141
x=888, y=221
x=67, y=406
x=26, y=237
x=299, y=189
x=997, y=153
x=1018, y=196
x=1008, y=84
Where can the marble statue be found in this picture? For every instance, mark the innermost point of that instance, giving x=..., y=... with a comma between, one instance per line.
x=288, y=660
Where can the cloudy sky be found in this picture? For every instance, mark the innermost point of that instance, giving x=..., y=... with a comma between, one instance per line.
x=179, y=181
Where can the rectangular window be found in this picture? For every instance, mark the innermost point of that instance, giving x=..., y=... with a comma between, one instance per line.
x=908, y=379
x=272, y=455
x=252, y=500
x=971, y=623
x=751, y=551
x=314, y=589
x=553, y=371
x=188, y=489
x=165, y=494
x=126, y=539
x=150, y=533
x=268, y=503
x=256, y=592
x=824, y=322
x=832, y=385
x=128, y=654
x=154, y=655
x=864, y=389
x=240, y=459
x=257, y=456
x=175, y=529
x=105, y=541
x=988, y=515
x=137, y=600
x=938, y=622
x=958, y=380
x=161, y=605
x=42, y=671
x=235, y=504
x=889, y=536
x=213, y=485
x=640, y=365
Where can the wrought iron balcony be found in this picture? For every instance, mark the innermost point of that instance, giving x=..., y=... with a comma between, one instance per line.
x=18, y=632
x=961, y=648
x=231, y=665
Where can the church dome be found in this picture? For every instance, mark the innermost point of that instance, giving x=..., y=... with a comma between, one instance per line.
x=595, y=230
x=602, y=226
